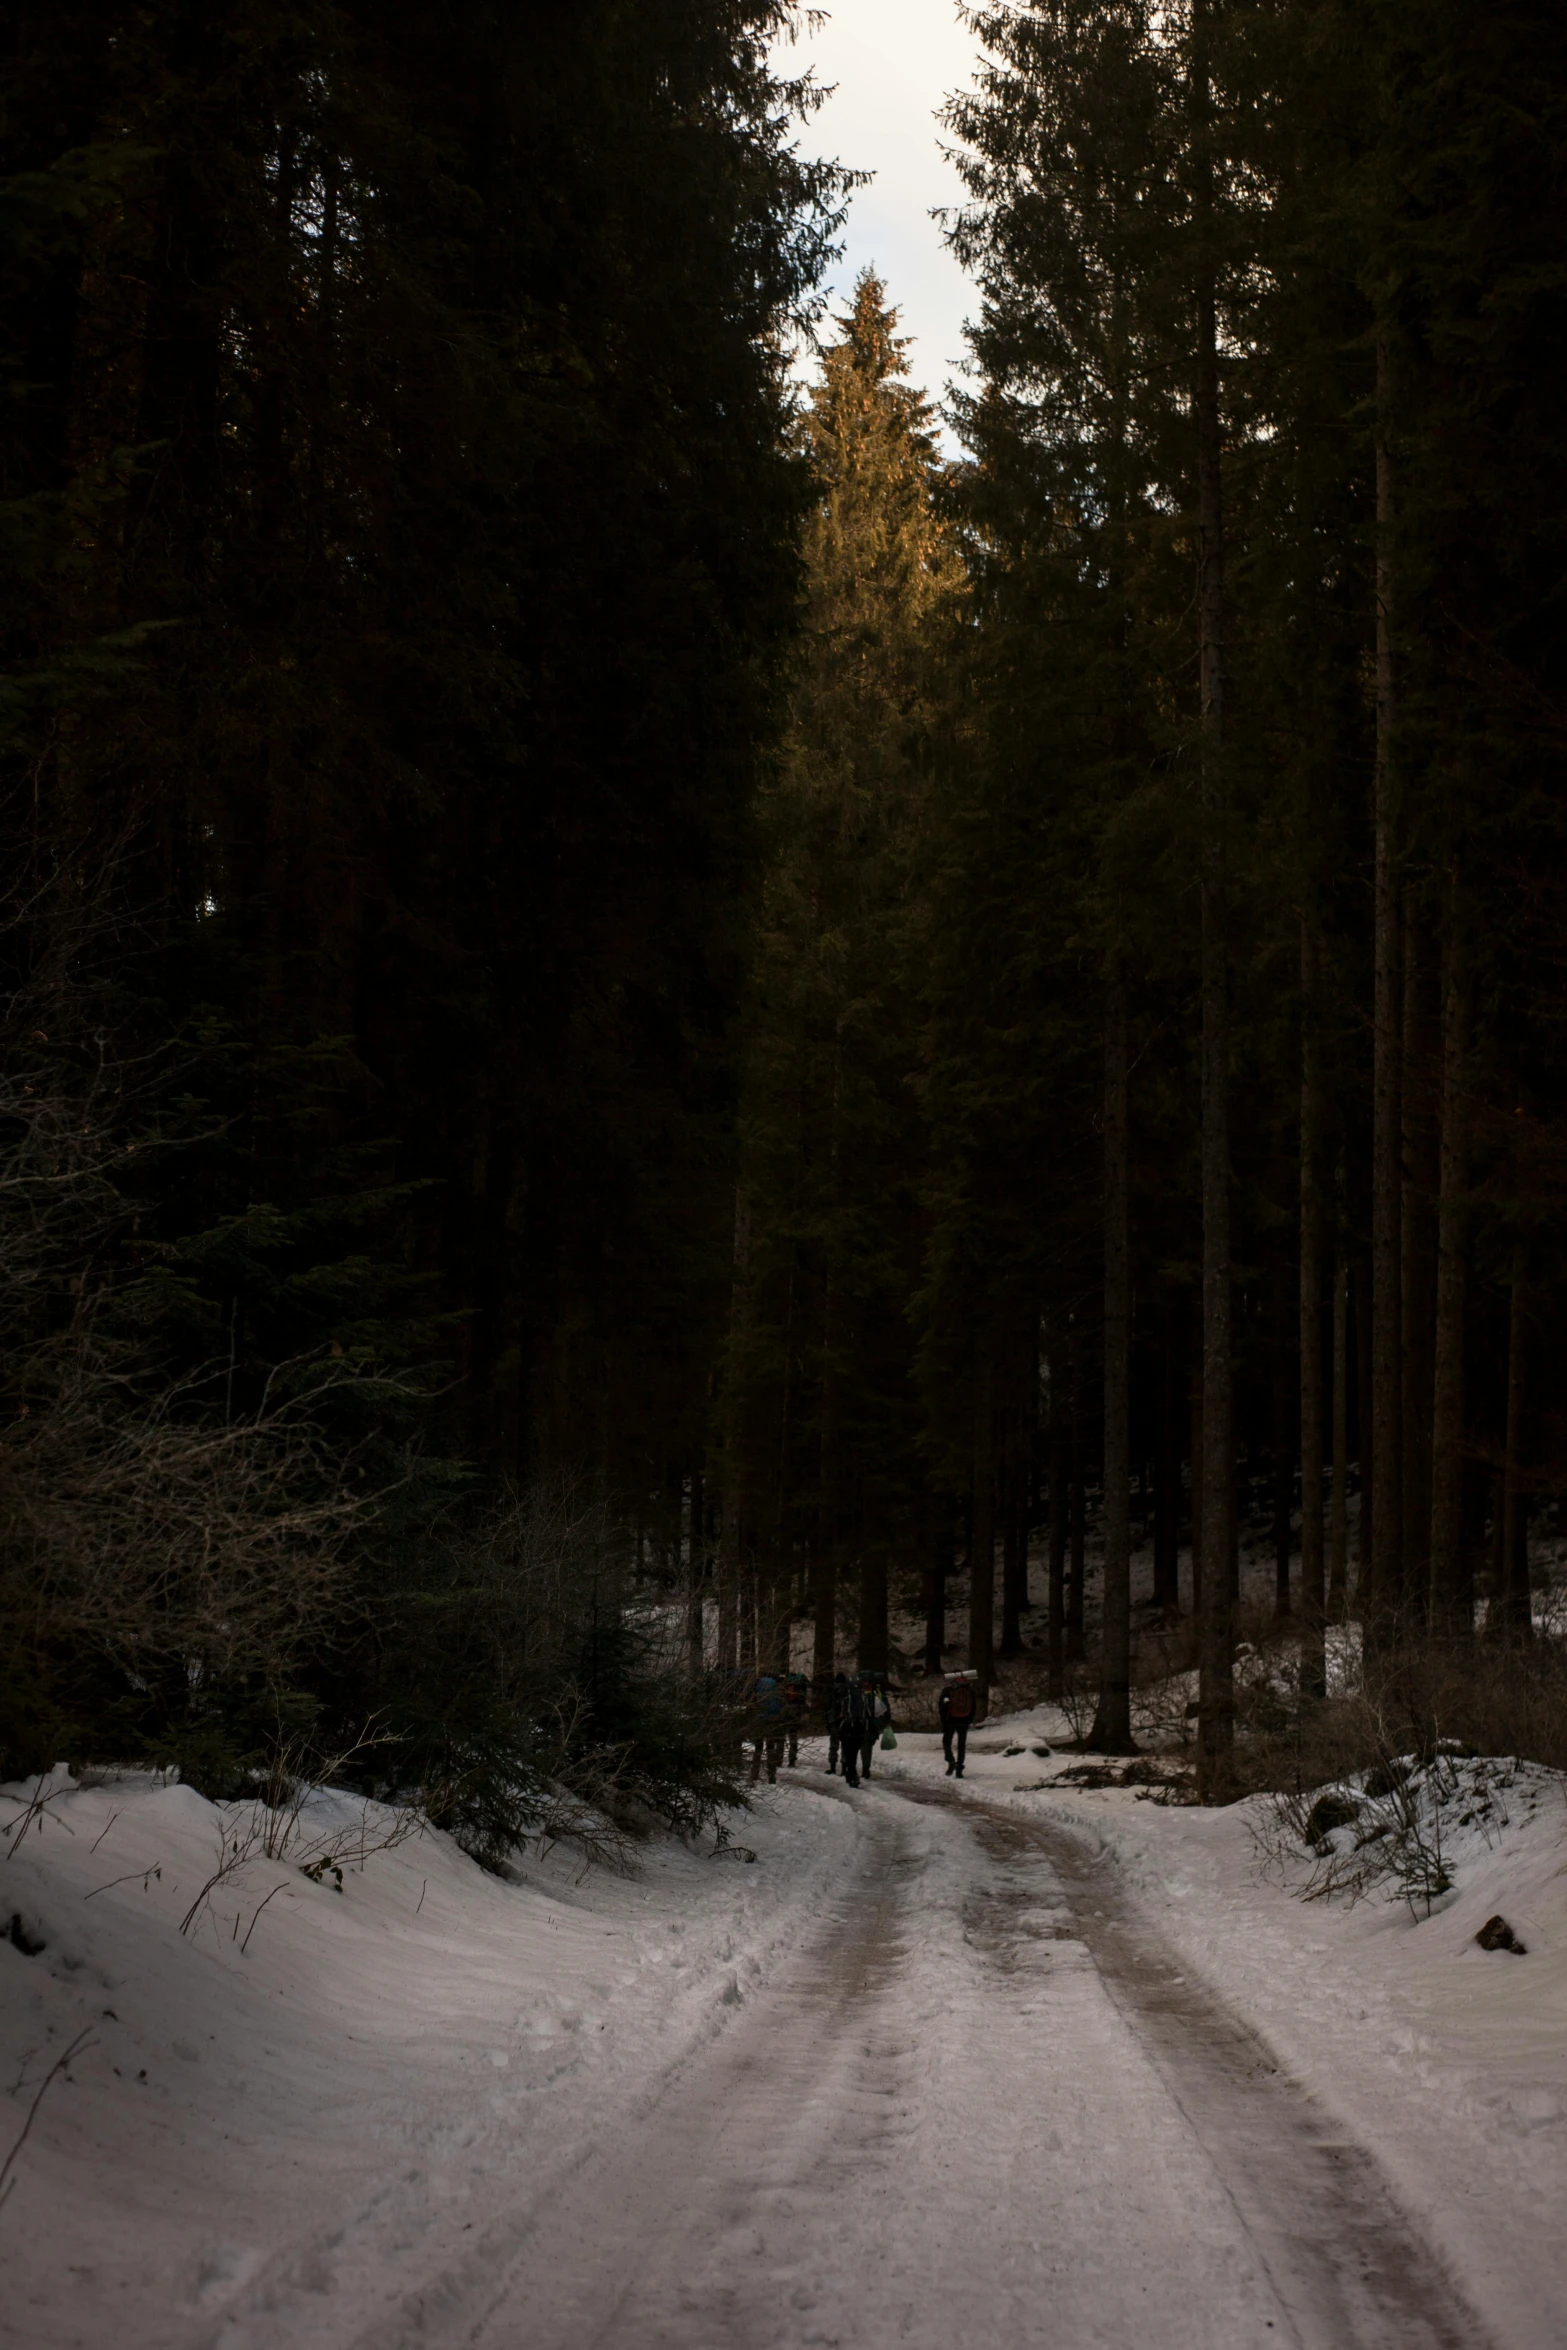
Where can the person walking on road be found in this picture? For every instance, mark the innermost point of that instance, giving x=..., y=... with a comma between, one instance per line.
x=955, y=1708
x=834, y=1707
x=797, y=1696
x=769, y=1727
x=845, y=1727
x=877, y=1714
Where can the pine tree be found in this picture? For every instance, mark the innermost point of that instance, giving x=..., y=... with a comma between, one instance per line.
x=823, y=1456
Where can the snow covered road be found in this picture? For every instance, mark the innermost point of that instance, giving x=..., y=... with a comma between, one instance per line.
x=982, y=2102
x=1015, y=2064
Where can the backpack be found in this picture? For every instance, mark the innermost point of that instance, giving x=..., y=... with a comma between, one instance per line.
x=960, y=1702
x=769, y=1698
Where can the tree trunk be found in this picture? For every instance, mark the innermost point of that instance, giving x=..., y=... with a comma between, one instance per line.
x=982, y=1541
x=729, y=1588
x=750, y=1613
x=1360, y=1297
x=1338, y=1521
x=1017, y=1454
x=830, y=1514
x=1386, y=1549
x=1216, y=1643
x=1313, y=1595
x=1511, y=1609
x=1418, y=1246
x=696, y=1573
x=789, y=1579
x=872, y=1651
x=1451, y=1611
x=1167, y=1483
x=824, y=1605
x=1194, y=1413
x=1060, y=1483
x=1014, y=1567
x=938, y=1566
x=1112, y=1730
x=736, y=1599
x=1285, y=1402
x=1079, y=1511
x=1471, y=1557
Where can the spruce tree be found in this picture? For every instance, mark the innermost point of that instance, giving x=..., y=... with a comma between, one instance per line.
x=822, y=1404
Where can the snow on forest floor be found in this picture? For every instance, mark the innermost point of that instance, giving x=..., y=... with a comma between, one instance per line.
x=256, y=2145
x=377, y=2071
x=1448, y=2061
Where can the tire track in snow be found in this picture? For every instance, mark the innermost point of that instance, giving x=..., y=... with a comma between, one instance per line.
x=980, y=2104
x=1348, y=2264
x=634, y=2237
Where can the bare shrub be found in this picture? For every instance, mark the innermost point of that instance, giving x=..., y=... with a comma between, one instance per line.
x=274, y=1825
x=1388, y=1829
x=1079, y=1699
x=1162, y=1685
x=1410, y=1697
x=1491, y=1695
x=62, y=2064
x=549, y=1694
x=152, y=1542
x=165, y=1541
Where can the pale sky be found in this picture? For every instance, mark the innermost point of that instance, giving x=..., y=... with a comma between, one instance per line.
x=894, y=61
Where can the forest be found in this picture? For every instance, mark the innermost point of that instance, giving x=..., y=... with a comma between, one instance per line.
x=659, y=1017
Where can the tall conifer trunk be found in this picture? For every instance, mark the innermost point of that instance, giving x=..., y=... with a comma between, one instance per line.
x=1167, y=1481
x=1060, y=1486
x=824, y=1602
x=1450, y=1610
x=1194, y=1444
x=1313, y=1594
x=982, y=1540
x=827, y=1563
x=1360, y=1301
x=1076, y=1582
x=696, y=1572
x=1216, y=1647
x=1511, y=1613
x=1384, y=1593
x=1016, y=1453
x=1418, y=1243
x=1112, y=1731
x=736, y=1596
x=1284, y=1415
x=728, y=1585
x=1338, y=1517
x=871, y=1654
x=938, y=1566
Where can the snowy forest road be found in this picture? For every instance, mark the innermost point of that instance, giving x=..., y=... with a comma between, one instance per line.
x=984, y=2103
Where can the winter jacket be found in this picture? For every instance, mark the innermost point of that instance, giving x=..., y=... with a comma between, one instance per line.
x=845, y=1706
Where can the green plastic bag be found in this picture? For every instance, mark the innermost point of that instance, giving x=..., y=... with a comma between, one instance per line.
x=887, y=1738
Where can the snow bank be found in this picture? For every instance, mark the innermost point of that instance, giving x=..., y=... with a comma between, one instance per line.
x=280, y=2117
x=1449, y=2061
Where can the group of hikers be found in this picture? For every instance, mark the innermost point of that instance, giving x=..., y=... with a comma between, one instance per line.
x=856, y=1709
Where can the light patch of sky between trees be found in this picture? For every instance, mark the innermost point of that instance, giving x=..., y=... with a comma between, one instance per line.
x=891, y=65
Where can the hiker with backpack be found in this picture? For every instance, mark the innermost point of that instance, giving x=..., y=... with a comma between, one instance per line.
x=845, y=1724
x=767, y=1701
x=956, y=1707
x=876, y=1717
x=797, y=1697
